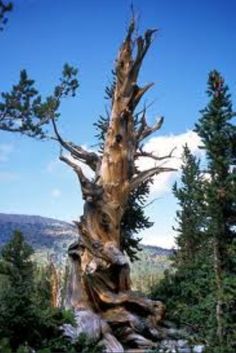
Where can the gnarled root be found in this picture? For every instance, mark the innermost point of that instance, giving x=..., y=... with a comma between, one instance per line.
x=106, y=310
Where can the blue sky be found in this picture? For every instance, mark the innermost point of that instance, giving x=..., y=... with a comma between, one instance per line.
x=194, y=37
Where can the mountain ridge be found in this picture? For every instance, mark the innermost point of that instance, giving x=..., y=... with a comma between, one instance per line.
x=50, y=239
x=34, y=226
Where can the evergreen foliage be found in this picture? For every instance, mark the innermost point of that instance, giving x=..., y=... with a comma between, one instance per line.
x=201, y=290
x=185, y=289
x=17, y=312
x=190, y=215
x=26, y=317
x=217, y=132
x=23, y=110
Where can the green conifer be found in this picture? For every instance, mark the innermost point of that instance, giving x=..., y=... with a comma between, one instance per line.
x=190, y=214
x=217, y=132
x=16, y=305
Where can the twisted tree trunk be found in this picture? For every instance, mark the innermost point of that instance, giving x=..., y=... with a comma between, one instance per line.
x=99, y=287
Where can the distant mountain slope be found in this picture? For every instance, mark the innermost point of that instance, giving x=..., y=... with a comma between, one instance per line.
x=45, y=235
x=51, y=236
x=157, y=250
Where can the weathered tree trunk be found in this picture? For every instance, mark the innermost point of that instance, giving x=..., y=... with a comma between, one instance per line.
x=99, y=287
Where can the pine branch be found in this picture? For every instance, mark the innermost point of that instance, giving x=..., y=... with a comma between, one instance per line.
x=22, y=109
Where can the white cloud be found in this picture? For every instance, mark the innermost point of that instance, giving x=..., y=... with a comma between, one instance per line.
x=56, y=193
x=5, y=150
x=161, y=146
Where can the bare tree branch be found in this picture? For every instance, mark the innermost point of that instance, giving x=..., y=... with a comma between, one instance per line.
x=142, y=153
x=151, y=202
x=77, y=152
x=140, y=92
x=145, y=130
x=146, y=174
x=75, y=167
x=143, y=43
x=90, y=190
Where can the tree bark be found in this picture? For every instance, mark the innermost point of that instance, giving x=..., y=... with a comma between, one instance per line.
x=99, y=286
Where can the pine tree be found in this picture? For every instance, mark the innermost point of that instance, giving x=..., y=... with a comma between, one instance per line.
x=16, y=305
x=186, y=288
x=26, y=315
x=192, y=282
x=190, y=215
x=217, y=132
x=201, y=292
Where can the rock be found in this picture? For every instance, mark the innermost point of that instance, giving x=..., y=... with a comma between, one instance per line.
x=199, y=348
x=173, y=333
x=168, y=344
x=184, y=350
x=179, y=346
x=182, y=343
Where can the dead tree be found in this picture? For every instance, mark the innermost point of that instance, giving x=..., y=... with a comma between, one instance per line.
x=99, y=288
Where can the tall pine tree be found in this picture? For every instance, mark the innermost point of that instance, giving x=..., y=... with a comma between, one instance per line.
x=217, y=132
x=186, y=287
x=201, y=292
